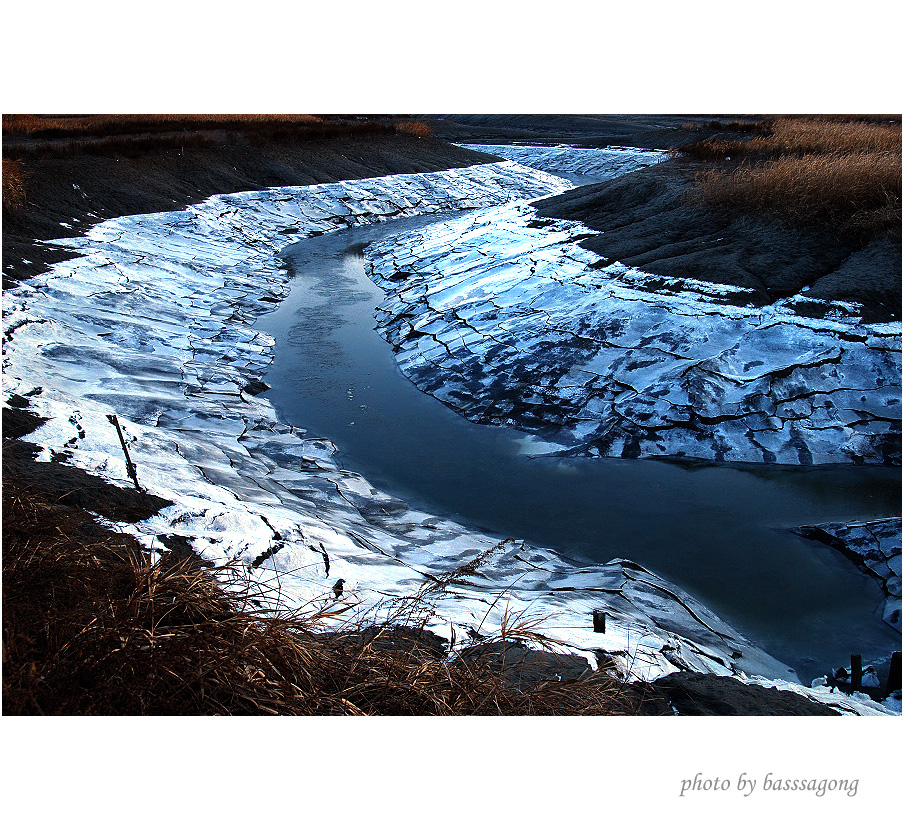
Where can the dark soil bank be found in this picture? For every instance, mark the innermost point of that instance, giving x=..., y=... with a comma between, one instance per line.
x=651, y=220
x=61, y=483
x=692, y=693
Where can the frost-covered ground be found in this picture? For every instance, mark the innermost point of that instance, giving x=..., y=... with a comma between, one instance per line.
x=504, y=317
x=154, y=322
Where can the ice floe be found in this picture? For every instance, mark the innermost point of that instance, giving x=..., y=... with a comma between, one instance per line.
x=154, y=322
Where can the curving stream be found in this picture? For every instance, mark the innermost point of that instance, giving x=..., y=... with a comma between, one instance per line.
x=717, y=531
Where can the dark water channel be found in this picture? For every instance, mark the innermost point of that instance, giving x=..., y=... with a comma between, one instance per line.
x=717, y=531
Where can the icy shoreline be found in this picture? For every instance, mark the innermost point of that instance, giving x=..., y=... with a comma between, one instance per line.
x=154, y=323
x=505, y=318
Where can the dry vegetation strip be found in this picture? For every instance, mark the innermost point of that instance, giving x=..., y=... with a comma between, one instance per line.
x=92, y=627
x=36, y=136
x=104, y=125
x=44, y=126
x=839, y=171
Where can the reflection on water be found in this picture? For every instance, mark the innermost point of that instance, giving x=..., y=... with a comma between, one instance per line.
x=715, y=530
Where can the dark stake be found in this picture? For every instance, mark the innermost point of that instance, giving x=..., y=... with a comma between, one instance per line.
x=599, y=622
x=856, y=672
x=894, y=674
x=130, y=467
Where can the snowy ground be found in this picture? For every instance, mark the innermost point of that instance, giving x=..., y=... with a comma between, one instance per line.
x=154, y=322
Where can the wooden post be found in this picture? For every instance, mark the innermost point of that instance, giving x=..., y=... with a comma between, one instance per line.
x=599, y=622
x=894, y=674
x=130, y=467
x=856, y=672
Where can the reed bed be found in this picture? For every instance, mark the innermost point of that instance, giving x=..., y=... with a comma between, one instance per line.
x=806, y=136
x=93, y=626
x=838, y=171
x=857, y=192
x=798, y=135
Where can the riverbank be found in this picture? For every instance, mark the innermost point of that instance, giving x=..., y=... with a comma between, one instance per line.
x=94, y=626
x=134, y=430
x=654, y=221
x=66, y=192
x=506, y=317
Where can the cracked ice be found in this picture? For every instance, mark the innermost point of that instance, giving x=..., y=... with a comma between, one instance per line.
x=508, y=320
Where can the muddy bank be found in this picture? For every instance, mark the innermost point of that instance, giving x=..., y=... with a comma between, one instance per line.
x=651, y=220
x=505, y=317
x=653, y=132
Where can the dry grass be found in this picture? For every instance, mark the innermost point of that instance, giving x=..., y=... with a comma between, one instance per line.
x=44, y=126
x=837, y=171
x=806, y=136
x=91, y=626
x=15, y=181
x=800, y=135
x=858, y=192
x=749, y=126
x=418, y=129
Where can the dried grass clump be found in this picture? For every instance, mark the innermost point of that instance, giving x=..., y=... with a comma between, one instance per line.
x=418, y=129
x=15, y=180
x=713, y=149
x=92, y=627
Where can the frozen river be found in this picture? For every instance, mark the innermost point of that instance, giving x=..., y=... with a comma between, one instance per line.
x=718, y=531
